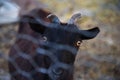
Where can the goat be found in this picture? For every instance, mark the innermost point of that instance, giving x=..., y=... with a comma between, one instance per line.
x=45, y=48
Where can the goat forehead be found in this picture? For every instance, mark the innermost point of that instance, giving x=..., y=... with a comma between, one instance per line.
x=63, y=31
x=60, y=35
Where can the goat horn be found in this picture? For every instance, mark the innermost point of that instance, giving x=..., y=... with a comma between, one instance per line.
x=74, y=18
x=53, y=18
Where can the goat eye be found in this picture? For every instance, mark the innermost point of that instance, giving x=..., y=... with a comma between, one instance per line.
x=78, y=43
x=44, y=38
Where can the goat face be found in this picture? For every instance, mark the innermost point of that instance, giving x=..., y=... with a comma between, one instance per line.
x=61, y=40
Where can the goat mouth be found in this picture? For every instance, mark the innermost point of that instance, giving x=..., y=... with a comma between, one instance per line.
x=58, y=72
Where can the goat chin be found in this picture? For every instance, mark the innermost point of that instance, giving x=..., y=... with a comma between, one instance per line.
x=9, y=12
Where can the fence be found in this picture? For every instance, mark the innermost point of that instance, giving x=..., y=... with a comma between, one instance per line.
x=87, y=65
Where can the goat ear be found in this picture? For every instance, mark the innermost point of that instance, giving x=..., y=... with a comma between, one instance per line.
x=89, y=34
x=34, y=24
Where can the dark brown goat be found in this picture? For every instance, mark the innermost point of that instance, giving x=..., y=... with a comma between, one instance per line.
x=46, y=48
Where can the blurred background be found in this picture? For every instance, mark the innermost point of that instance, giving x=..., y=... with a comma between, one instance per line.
x=97, y=59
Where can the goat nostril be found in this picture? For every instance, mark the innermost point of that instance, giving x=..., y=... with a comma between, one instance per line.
x=58, y=71
x=44, y=38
